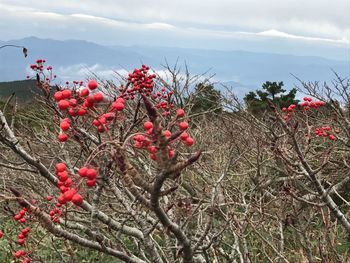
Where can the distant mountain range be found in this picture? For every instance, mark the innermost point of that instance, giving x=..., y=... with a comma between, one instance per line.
x=243, y=70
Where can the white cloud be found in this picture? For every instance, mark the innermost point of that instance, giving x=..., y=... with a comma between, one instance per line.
x=316, y=18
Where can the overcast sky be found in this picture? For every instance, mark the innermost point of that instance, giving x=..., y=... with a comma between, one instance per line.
x=221, y=24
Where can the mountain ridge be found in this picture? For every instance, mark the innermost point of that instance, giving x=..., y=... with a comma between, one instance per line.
x=249, y=68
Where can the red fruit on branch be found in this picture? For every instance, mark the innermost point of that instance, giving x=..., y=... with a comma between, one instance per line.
x=73, y=102
x=25, y=231
x=64, y=125
x=83, y=171
x=66, y=94
x=120, y=100
x=68, y=195
x=118, y=106
x=189, y=141
x=167, y=133
x=62, y=176
x=58, y=96
x=92, y=84
x=62, y=137
x=61, y=199
x=49, y=198
x=81, y=112
x=332, y=137
x=148, y=125
x=84, y=92
x=63, y=104
x=1, y=234
x=184, y=136
x=17, y=254
x=98, y=97
x=183, y=125
x=91, y=183
x=60, y=167
x=152, y=149
x=91, y=173
x=21, y=241
x=77, y=199
x=180, y=113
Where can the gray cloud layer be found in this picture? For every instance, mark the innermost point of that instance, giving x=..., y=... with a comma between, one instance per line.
x=195, y=23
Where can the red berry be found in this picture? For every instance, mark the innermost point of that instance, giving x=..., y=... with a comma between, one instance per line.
x=152, y=149
x=61, y=199
x=62, y=137
x=18, y=254
x=21, y=241
x=64, y=125
x=60, y=167
x=91, y=183
x=23, y=220
x=68, y=182
x=189, y=141
x=83, y=171
x=184, y=136
x=171, y=153
x=49, y=198
x=73, y=102
x=58, y=96
x=72, y=112
x=18, y=217
x=91, y=173
x=1, y=234
x=68, y=195
x=81, y=112
x=77, y=199
x=63, y=176
x=98, y=97
x=332, y=137
x=25, y=231
x=84, y=92
x=180, y=113
x=63, y=104
x=120, y=100
x=118, y=106
x=167, y=133
x=66, y=93
x=148, y=125
x=92, y=84
x=183, y=125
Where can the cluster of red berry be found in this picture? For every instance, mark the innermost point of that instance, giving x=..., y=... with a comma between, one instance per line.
x=78, y=104
x=140, y=81
x=21, y=253
x=39, y=65
x=324, y=132
x=68, y=194
x=20, y=240
x=90, y=174
x=23, y=235
x=308, y=103
x=289, y=111
x=144, y=141
x=20, y=217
